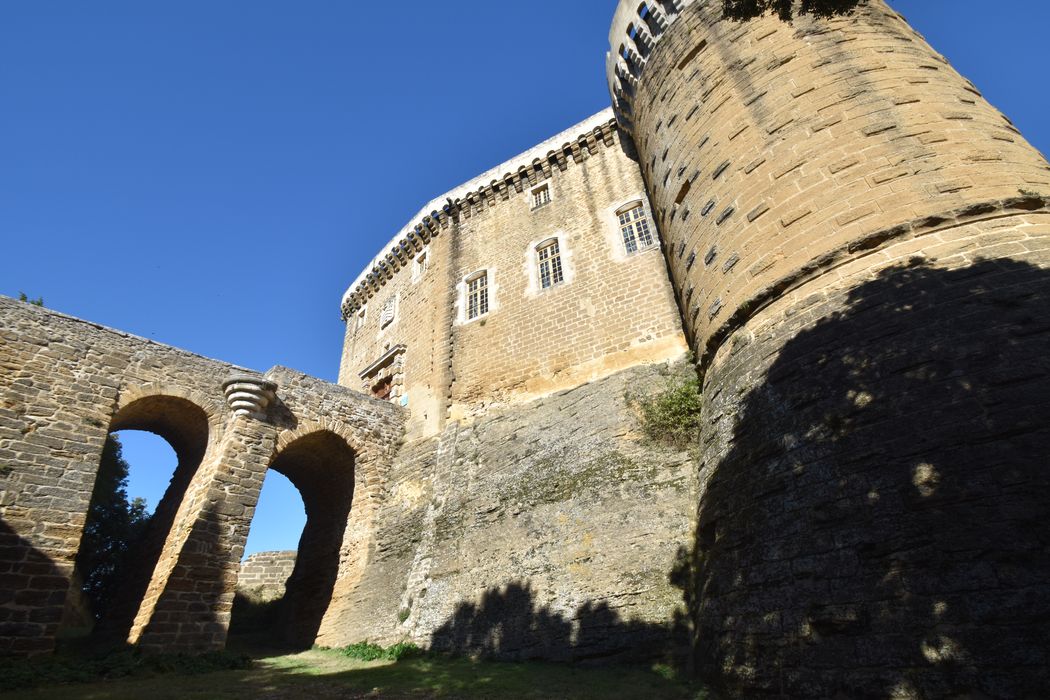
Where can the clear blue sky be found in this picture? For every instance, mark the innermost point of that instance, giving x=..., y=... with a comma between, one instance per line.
x=213, y=174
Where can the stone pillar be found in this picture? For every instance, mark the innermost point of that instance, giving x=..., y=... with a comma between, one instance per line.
x=859, y=246
x=189, y=600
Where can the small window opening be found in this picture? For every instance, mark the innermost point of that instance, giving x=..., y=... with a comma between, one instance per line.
x=421, y=264
x=478, y=296
x=549, y=258
x=361, y=318
x=541, y=196
x=634, y=226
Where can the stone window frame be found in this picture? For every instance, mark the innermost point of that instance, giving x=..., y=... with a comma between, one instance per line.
x=361, y=317
x=553, y=260
x=420, y=264
x=390, y=365
x=647, y=221
x=462, y=302
x=531, y=264
x=477, y=295
x=540, y=196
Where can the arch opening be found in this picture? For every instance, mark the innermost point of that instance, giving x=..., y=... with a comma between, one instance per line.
x=123, y=541
x=321, y=467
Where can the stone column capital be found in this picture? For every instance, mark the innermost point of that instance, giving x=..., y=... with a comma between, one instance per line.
x=249, y=395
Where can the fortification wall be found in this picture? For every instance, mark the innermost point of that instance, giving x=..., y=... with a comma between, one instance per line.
x=549, y=529
x=874, y=461
x=610, y=310
x=858, y=242
x=65, y=383
x=774, y=152
x=262, y=575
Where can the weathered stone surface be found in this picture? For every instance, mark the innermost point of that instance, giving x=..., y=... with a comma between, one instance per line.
x=612, y=308
x=65, y=383
x=859, y=246
x=873, y=474
x=262, y=576
x=545, y=530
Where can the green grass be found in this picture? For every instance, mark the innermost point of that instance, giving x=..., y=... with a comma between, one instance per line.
x=332, y=673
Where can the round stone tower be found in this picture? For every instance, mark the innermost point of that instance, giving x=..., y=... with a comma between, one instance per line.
x=860, y=247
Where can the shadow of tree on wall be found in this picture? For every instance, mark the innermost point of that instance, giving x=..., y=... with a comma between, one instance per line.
x=881, y=520
x=506, y=623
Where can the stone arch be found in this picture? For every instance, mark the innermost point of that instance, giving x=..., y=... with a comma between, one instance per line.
x=368, y=481
x=191, y=423
x=321, y=461
x=213, y=407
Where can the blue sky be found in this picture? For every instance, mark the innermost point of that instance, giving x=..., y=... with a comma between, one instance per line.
x=213, y=174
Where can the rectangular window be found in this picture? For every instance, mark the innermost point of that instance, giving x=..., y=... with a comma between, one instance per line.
x=478, y=296
x=420, y=265
x=540, y=196
x=634, y=226
x=361, y=318
x=549, y=258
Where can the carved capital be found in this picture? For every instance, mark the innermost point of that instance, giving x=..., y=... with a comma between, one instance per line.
x=249, y=395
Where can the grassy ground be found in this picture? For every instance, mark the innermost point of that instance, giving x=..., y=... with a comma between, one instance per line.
x=319, y=674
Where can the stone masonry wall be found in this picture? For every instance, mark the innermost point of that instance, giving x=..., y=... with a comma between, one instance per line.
x=773, y=151
x=612, y=310
x=262, y=575
x=858, y=242
x=549, y=529
x=66, y=383
x=877, y=499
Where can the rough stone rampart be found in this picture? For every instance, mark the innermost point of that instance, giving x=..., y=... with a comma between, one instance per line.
x=550, y=529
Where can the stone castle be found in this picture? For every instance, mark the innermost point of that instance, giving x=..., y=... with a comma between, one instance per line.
x=853, y=245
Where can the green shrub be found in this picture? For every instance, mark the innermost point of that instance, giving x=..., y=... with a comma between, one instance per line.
x=366, y=651
x=404, y=650
x=671, y=417
x=39, y=301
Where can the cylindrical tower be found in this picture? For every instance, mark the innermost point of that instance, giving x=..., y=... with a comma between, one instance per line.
x=860, y=246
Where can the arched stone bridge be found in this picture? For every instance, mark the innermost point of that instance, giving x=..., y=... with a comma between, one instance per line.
x=66, y=383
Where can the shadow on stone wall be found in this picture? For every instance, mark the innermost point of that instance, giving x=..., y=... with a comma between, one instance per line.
x=880, y=523
x=321, y=466
x=508, y=624
x=184, y=426
x=255, y=620
x=188, y=615
x=32, y=596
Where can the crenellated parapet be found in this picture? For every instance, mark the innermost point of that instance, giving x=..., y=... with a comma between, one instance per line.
x=489, y=189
